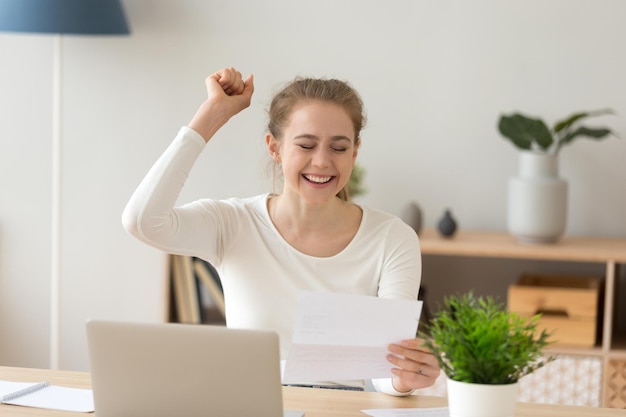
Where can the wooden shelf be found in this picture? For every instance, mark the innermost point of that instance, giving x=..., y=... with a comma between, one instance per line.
x=611, y=350
x=575, y=351
x=503, y=245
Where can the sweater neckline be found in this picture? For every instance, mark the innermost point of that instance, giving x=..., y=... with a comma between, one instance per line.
x=356, y=237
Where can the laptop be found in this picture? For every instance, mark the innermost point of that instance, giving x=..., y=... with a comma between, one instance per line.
x=168, y=369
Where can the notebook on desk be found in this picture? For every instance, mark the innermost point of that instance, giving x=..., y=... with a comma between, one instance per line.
x=164, y=370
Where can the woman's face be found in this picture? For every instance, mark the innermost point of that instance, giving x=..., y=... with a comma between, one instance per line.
x=317, y=151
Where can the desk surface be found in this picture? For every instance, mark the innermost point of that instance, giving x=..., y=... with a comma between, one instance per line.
x=314, y=402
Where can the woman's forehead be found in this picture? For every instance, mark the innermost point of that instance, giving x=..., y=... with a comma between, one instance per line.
x=316, y=113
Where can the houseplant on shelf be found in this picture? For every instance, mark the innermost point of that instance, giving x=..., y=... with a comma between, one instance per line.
x=484, y=350
x=537, y=201
x=355, y=185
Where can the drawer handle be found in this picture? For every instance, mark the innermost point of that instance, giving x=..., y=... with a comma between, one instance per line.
x=552, y=312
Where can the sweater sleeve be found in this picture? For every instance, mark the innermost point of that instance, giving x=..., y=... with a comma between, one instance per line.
x=385, y=385
x=151, y=215
x=402, y=264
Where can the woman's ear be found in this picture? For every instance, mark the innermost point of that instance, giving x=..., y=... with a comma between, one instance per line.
x=356, y=149
x=272, y=147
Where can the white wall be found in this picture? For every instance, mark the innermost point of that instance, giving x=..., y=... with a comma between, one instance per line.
x=435, y=75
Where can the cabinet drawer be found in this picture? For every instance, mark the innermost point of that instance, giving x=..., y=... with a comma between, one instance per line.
x=568, y=305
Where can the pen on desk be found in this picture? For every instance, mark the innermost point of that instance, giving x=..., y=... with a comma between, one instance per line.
x=24, y=391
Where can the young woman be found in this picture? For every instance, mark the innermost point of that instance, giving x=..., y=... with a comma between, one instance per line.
x=309, y=237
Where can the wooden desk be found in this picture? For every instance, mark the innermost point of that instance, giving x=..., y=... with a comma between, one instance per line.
x=314, y=402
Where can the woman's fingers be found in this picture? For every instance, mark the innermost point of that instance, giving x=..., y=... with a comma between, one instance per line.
x=228, y=87
x=231, y=81
x=416, y=367
x=227, y=95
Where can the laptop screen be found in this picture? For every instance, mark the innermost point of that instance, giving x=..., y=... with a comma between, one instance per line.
x=163, y=370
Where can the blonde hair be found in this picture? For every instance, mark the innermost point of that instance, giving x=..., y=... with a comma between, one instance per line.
x=306, y=89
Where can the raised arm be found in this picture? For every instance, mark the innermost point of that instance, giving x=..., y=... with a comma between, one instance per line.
x=150, y=215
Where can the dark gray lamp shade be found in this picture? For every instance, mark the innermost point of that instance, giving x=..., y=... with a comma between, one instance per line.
x=88, y=17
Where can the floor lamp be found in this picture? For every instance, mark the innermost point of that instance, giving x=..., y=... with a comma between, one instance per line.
x=59, y=17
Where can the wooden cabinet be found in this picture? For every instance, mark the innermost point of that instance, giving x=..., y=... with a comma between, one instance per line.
x=610, y=353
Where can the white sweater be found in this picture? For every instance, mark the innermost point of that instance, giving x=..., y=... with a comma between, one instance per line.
x=261, y=273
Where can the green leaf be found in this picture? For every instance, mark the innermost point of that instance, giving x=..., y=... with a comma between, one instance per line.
x=566, y=123
x=524, y=131
x=528, y=133
x=597, y=134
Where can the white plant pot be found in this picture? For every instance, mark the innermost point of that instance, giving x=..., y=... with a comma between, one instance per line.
x=480, y=400
x=537, y=201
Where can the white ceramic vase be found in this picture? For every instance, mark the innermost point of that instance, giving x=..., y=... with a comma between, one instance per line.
x=537, y=200
x=481, y=400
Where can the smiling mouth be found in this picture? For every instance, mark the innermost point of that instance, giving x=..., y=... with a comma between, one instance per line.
x=318, y=179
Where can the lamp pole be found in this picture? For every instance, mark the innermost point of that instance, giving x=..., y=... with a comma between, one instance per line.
x=57, y=175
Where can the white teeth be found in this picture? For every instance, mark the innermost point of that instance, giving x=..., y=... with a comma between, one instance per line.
x=316, y=179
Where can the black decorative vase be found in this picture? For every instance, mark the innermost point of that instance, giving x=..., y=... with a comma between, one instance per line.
x=447, y=224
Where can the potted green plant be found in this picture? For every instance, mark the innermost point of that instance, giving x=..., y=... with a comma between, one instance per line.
x=484, y=349
x=537, y=200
